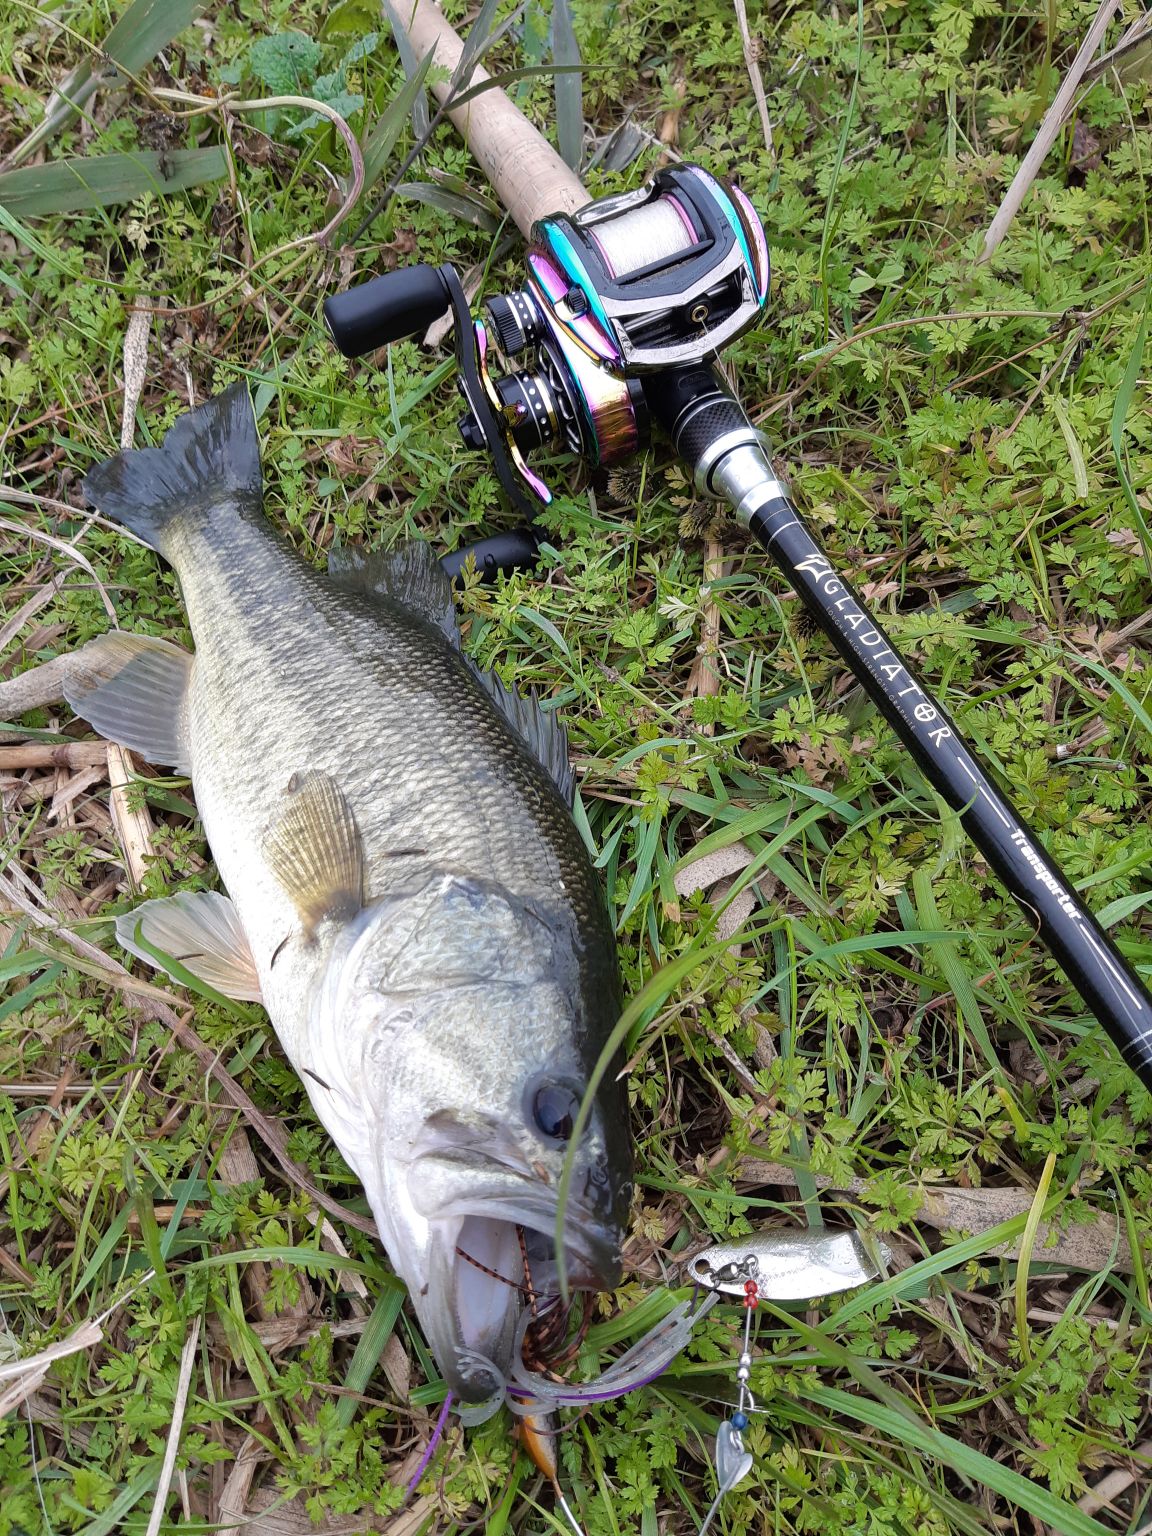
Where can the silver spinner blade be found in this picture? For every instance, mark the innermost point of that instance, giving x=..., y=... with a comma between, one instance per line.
x=790, y=1266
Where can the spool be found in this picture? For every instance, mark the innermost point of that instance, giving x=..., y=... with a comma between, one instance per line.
x=660, y=229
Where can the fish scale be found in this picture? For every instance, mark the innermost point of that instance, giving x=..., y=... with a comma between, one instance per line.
x=407, y=891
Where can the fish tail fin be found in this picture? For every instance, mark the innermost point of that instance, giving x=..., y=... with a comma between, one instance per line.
x=211, y=455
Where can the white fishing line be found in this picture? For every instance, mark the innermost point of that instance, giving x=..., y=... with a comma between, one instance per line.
x=658, y=230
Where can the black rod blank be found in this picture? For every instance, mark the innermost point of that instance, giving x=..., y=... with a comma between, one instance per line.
x=1091, y=961
x=706, y=424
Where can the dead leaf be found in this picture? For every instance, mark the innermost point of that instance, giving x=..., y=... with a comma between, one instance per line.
x=1091, y=1245
x=712, y=875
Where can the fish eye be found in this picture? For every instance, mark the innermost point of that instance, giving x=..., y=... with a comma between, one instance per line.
x=554, y=1110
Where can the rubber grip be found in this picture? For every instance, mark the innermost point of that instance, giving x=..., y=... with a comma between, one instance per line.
x=387, y=308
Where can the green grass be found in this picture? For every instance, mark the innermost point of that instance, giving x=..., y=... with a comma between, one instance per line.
x=973, y=443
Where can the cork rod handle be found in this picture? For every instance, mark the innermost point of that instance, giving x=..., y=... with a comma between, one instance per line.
x=526, y=173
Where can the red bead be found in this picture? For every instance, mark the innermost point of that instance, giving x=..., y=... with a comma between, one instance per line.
x=751, y=1303
x=751, y=1288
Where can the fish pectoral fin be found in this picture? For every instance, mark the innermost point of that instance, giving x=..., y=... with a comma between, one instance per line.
x=131, y=689
x=410, y=574
x=314, y=850
x=200, y=931
x=540, y=731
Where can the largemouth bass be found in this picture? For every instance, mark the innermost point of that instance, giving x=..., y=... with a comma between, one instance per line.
x=408, y=895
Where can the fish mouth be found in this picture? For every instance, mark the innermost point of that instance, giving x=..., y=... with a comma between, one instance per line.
x=492, y=1256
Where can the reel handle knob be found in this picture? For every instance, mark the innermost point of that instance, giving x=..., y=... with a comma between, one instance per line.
x=387, y=308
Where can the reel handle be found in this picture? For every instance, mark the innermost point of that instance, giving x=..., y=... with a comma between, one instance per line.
x=389, y=308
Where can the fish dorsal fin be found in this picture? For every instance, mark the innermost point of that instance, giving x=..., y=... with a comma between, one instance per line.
x=541, y=732
x=199, y=930
x=409, y=574
x=131, y=689
x=315, y=852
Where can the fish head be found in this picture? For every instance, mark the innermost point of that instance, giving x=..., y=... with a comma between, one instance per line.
x=475, y=1022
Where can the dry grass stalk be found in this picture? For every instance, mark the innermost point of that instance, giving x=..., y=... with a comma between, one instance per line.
x=28, y=531
x=135, y=370
x=130, y=817
x=1049, y=128
x=233, y=1501
x=715, y=875
x=704, y=679
x=28, y=1373
x=751, y=61
x=180, y=1403
x=29, y=608
x=348, y=1278
x=1118, y=1481
x=72, y=787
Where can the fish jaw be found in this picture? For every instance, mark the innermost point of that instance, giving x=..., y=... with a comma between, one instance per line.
x=486, y=1248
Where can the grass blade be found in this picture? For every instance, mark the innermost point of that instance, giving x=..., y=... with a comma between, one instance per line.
x=475, y=43
x=1119, y=414
x=1024, y=1263
x=368, y=1351
x=421, y=116
x=96, y=181
x=946, y=955
x=145, y=27
x=453, y=203
x=965, y=1460
x=569, y=102
x=380, y=143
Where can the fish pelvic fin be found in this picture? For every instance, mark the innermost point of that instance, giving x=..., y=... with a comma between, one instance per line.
x=210, y=456
x=131, y=689
x=314, y=850
x=201, y=932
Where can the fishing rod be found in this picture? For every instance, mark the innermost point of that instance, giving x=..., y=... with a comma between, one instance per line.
x=626, y=305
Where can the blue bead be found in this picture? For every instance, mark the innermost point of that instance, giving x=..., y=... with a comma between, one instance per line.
x=739, y=1421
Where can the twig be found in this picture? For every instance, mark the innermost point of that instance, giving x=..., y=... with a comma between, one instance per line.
x=1049, y=128
x=51, y=754
x=753, y=67
x=132, y=821
x=135, y=370
x=32, y=690
x=260, y=104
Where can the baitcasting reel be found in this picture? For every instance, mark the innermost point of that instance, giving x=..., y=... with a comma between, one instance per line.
x=626, y=303
x=657, y=280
